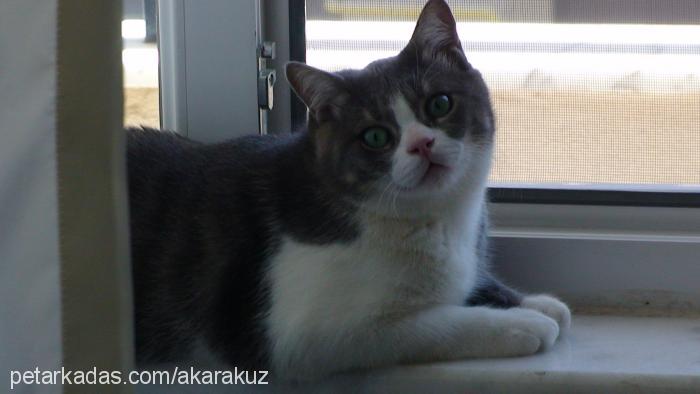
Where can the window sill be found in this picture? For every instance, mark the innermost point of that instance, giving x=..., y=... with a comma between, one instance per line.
x=610, y=354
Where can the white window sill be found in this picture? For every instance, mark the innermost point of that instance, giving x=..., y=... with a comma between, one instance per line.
x=604, y=354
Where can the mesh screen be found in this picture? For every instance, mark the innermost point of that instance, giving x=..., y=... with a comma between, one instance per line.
x=585, y=92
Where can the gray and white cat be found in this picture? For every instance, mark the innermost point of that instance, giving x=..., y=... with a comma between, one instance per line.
x=358, y=243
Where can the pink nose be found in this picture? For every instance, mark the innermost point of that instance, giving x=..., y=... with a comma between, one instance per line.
x=421, y=146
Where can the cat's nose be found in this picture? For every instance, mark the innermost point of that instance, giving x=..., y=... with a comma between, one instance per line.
x=421, y=146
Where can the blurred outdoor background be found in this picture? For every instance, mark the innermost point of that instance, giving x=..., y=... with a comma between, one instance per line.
x=585, y=92
x=140, y=62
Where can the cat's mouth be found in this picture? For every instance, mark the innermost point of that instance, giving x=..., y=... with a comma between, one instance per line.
x=434, y=173
x=432, y=176
x=427, y=175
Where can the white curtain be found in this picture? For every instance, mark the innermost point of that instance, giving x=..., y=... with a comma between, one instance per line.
x=65, y=299
x=30, y=299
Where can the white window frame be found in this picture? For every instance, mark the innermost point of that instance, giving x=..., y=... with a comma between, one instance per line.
x=209, y=67
x=592, y=256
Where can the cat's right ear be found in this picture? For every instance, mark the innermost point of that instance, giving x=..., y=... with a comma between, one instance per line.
x=316, y=88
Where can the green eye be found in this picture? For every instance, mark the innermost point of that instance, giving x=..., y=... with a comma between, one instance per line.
x=439, y=105
x=376, y=137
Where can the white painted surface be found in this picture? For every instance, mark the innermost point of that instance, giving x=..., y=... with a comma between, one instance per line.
x=640, y=277
x=626, y=223
x=209, y=68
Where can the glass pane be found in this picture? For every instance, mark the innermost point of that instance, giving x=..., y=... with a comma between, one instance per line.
x=585, y=92
x=140, y=62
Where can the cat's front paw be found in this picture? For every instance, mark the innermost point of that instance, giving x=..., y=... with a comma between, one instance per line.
x=525, y=332
x=551, y=307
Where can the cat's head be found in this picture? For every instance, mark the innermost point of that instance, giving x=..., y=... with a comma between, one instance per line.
x=416, y=126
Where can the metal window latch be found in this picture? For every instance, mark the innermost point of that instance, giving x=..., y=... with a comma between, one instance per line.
x=266, y=81
x=266, y=50
x=266, y=76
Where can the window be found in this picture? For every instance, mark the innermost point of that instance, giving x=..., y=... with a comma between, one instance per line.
x=588, y=95
x=640, y=256
x=140, y=62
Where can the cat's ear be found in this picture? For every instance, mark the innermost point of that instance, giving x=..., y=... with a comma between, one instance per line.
x=316, y=88
x=436, y=36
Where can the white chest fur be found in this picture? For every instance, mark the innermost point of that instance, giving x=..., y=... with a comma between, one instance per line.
x=394, y=268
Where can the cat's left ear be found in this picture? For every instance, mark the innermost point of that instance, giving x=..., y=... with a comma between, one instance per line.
x=436, y=36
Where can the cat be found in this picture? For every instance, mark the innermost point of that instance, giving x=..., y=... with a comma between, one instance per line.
x=359, y=242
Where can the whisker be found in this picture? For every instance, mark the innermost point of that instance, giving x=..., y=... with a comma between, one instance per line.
x=381, y=196
x=396, y=196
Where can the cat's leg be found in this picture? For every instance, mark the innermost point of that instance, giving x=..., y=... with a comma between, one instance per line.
x=492, y=292
x=489, y=291
x=437, y=334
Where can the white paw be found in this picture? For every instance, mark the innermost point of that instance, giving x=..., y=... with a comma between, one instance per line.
x=526, y=332
x=551, y=307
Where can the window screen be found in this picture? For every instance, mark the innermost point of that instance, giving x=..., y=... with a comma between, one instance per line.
x=585, y=92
